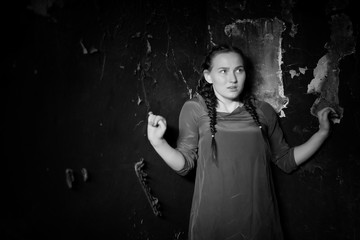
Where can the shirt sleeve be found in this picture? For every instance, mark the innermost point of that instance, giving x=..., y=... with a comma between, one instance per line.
x=282, y=153
x=187, y=143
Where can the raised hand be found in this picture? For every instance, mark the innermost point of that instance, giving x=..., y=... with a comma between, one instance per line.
x=324, y=116
x=156, y=128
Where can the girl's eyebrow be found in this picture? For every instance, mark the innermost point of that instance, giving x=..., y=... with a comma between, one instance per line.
x=240, y=66
x=227, y=68
x=223, y=68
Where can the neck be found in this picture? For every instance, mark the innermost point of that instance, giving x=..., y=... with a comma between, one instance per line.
x=228, y=106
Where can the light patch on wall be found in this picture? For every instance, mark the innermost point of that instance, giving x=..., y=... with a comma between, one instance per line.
x=294, y=73
x=320, y=74
x=325, y=83
x=302, y=70
x=260, y=39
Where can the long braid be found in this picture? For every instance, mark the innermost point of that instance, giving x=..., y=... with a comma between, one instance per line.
x=206, y=91
x=249, y=106
x=212, y=114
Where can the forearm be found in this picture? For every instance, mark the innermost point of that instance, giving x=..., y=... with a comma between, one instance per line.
x=306, y=150
x=171, y=156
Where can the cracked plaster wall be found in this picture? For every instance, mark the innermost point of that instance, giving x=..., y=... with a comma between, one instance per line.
x=81, y=76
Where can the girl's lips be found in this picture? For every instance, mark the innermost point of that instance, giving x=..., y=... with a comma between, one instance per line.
x=232, y=87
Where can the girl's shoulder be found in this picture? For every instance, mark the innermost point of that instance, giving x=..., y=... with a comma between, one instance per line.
x=195, y=106
x=197, y=101
x=265, y=108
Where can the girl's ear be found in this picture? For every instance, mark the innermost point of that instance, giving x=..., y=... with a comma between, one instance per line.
x=207, y=76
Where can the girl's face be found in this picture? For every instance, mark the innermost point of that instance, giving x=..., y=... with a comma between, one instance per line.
x=227, y=75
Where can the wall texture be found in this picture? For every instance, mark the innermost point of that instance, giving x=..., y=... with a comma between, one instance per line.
x=80, y=77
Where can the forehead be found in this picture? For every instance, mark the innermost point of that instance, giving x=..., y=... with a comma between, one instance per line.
x=227, y=59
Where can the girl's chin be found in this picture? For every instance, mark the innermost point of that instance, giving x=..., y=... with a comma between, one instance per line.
x=232, y=95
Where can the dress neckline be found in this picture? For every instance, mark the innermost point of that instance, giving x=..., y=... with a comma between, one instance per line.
x=238, y=109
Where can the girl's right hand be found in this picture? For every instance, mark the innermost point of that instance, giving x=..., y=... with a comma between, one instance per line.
x=156, y=128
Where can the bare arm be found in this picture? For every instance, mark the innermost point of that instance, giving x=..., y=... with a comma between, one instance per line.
x=306, y=150
x=155, y=132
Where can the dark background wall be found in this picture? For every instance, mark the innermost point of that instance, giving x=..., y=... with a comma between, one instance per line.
x=79, y=78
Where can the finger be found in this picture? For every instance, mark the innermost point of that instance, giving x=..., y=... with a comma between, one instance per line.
x=331, y=113
x=323, y=113
x=334, y=115
x=326, y=112
x=162, y=123
x=149, y=115
x=157, y=119
x=151, y=120
x=325, y=109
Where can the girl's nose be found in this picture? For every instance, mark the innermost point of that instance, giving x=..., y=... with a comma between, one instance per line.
x=232, y=78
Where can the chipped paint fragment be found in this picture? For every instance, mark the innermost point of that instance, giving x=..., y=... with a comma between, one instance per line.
x=320, y=74
x=142, y=177
x=211, y=36
x=293, y=73
x=85, y=174
x=302, y=70
x=139, y=100
x=93, y=50
x=294, y=29
x=148, y=47
x=69, y=177
x=84, y=50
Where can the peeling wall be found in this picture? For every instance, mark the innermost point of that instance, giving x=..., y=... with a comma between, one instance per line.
x=80, y=76
x=326, y=74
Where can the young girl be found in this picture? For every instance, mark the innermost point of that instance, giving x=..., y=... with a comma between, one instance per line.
x=232, y=138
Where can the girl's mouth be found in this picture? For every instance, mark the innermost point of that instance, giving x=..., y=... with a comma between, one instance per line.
x=232, y=87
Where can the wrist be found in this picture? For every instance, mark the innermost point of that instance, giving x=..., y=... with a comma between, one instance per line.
x=323, y=133
x=158, y=142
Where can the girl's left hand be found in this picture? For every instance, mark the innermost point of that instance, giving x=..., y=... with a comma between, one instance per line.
x=324, y=116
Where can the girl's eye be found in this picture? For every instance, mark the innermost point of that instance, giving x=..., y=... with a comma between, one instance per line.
x=222, y=71
x=240, y=70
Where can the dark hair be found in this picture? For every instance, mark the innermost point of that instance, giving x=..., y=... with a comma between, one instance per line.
x=206, y=91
